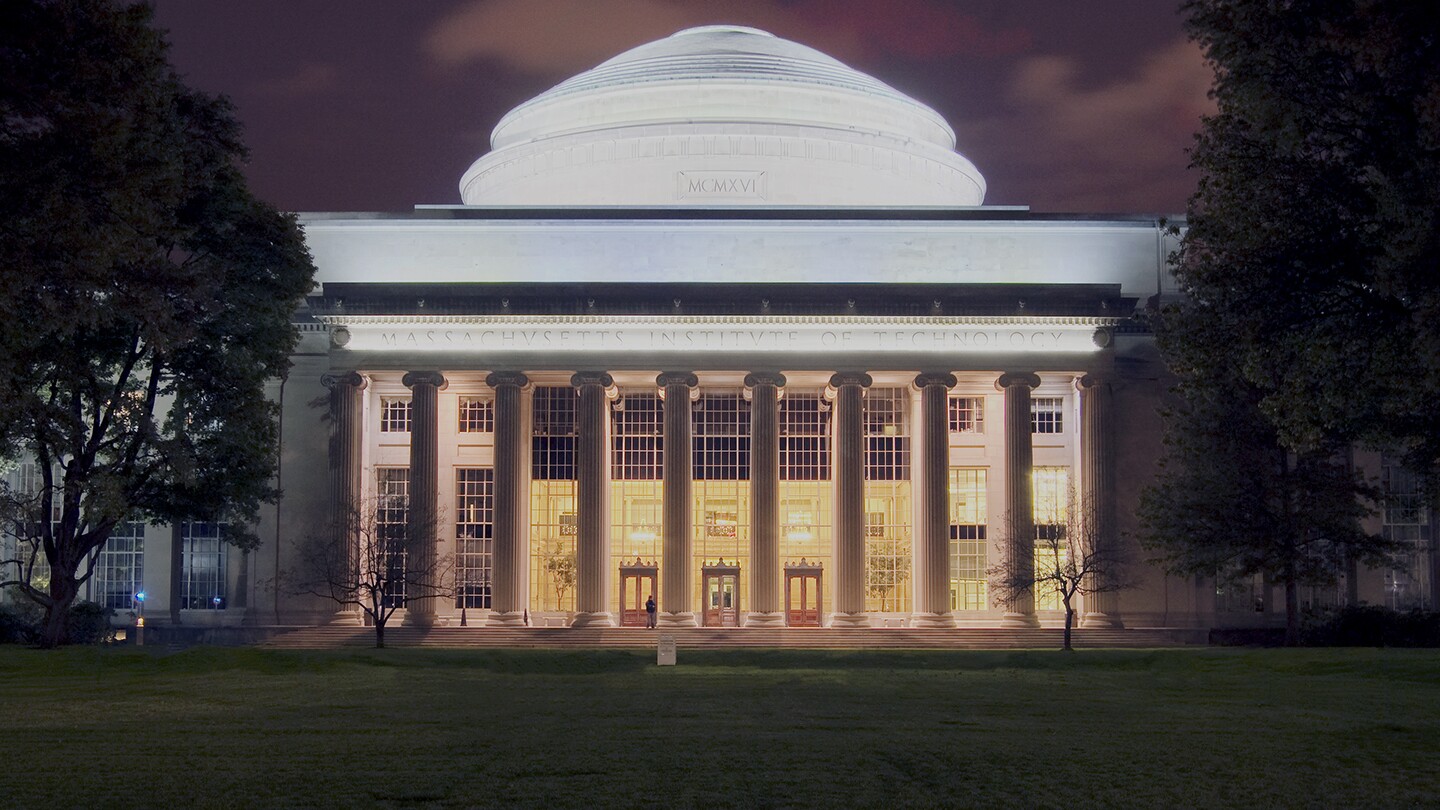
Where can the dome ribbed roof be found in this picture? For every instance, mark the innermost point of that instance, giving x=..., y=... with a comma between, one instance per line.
x=722, y=99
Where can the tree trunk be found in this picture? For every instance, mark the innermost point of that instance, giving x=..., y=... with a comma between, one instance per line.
x=63, y=589
x=1292, y=611
x=1069, y=622
x=177, y=570
x=379, y=635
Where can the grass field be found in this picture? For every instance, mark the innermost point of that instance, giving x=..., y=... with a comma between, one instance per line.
x=421, y=728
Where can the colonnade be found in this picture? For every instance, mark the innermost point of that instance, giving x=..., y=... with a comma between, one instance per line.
x=679, y=389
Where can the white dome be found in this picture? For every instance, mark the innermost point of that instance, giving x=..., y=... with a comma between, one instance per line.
x=722, y=115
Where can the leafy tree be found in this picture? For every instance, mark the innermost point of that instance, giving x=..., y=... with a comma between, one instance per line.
x=1230, y=500
x=148, y=294
x=366, y=563
x=1314, y=235
x=1072, y=559
x=887, y=567
x=560, y=563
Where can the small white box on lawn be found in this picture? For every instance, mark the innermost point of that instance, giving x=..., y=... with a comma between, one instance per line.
x=665, y=652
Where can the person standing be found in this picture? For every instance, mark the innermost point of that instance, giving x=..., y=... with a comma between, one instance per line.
x=650, y=612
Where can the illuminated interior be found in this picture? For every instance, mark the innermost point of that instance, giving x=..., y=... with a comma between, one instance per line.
x=888, y=541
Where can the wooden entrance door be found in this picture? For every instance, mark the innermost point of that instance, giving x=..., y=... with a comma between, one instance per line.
x=722, y=594
x=637, y=584
x=803, y=594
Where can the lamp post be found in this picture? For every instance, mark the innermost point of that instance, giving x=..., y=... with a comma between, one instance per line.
x=139, y=618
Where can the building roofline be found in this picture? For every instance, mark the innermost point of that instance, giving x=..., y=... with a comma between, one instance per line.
x=988, y=213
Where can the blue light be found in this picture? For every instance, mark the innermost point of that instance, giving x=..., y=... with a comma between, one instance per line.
x=140, y=596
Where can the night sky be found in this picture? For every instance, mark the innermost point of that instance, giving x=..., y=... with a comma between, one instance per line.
x=376, y=105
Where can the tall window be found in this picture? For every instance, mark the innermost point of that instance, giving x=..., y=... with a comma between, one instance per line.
x=804, y=438
x=394, y=415
x=1051, y=488
x=118, y=571
x=636, y=491
x=21, y=533
x=720, y=430
x=967, y=414
x=887, y=500
x=474, y=530
x=1406, y=521
x=969, y=547
x=202, y=585
x=806, y=497
x=1047, y=415
x=553, y=567
x=392, y=510
x=638, y=438
x=720, y=460
x=476, y=415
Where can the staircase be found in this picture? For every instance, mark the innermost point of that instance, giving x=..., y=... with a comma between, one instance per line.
x=563, y=638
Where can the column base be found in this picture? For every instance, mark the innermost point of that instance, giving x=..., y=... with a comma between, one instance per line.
x=932, y=621
x=765, y=620
x=597, y=618
x=850, y=620
x=1102, y=621
x=417, y=619
x=343, y=618
x=681, y=619
x=509, y=618
x=1018, y=621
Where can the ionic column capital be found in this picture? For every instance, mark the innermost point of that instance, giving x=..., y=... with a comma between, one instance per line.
x=414, y=378
x=928, y=378
x=1012, y=379
x=353, y=379
x=583, y=378
x=669, y=378
x=755, y=378
x=498, y=378
x=859, y=378
x=1091, y=381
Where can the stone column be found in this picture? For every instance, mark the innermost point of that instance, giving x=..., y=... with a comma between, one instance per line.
x=422, y=527
x=1097, y=500
x=848, y=474
x=592, y=504
x=347, y=431
x=933, y=575
x=512, y=487
x=1019, y=514
x=765, y=610
x=677, y=579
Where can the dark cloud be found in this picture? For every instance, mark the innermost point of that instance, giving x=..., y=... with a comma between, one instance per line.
x=561, y=36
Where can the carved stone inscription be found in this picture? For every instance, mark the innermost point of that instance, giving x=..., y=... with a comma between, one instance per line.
x=721, y=185
x=703, y=338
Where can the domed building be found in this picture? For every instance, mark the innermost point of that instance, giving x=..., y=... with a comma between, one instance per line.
x=724, y=322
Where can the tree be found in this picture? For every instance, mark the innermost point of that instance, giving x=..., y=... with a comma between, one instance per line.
x=148, y=293
x=560, y=564
x=364, y=561
x=1072, y=559
x=1314, y=235
x=1231, y=501
x=887, y=566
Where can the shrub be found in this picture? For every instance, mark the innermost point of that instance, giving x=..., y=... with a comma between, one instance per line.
x=19, y=620
x=1371, y=626
x=89, y=623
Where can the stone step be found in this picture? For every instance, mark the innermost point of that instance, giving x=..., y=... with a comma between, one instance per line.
x=731, y=638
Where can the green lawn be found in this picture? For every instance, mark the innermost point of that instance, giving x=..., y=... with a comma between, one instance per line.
x=415, y=728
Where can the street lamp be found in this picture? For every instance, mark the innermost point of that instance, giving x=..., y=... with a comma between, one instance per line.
x=139, y=618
